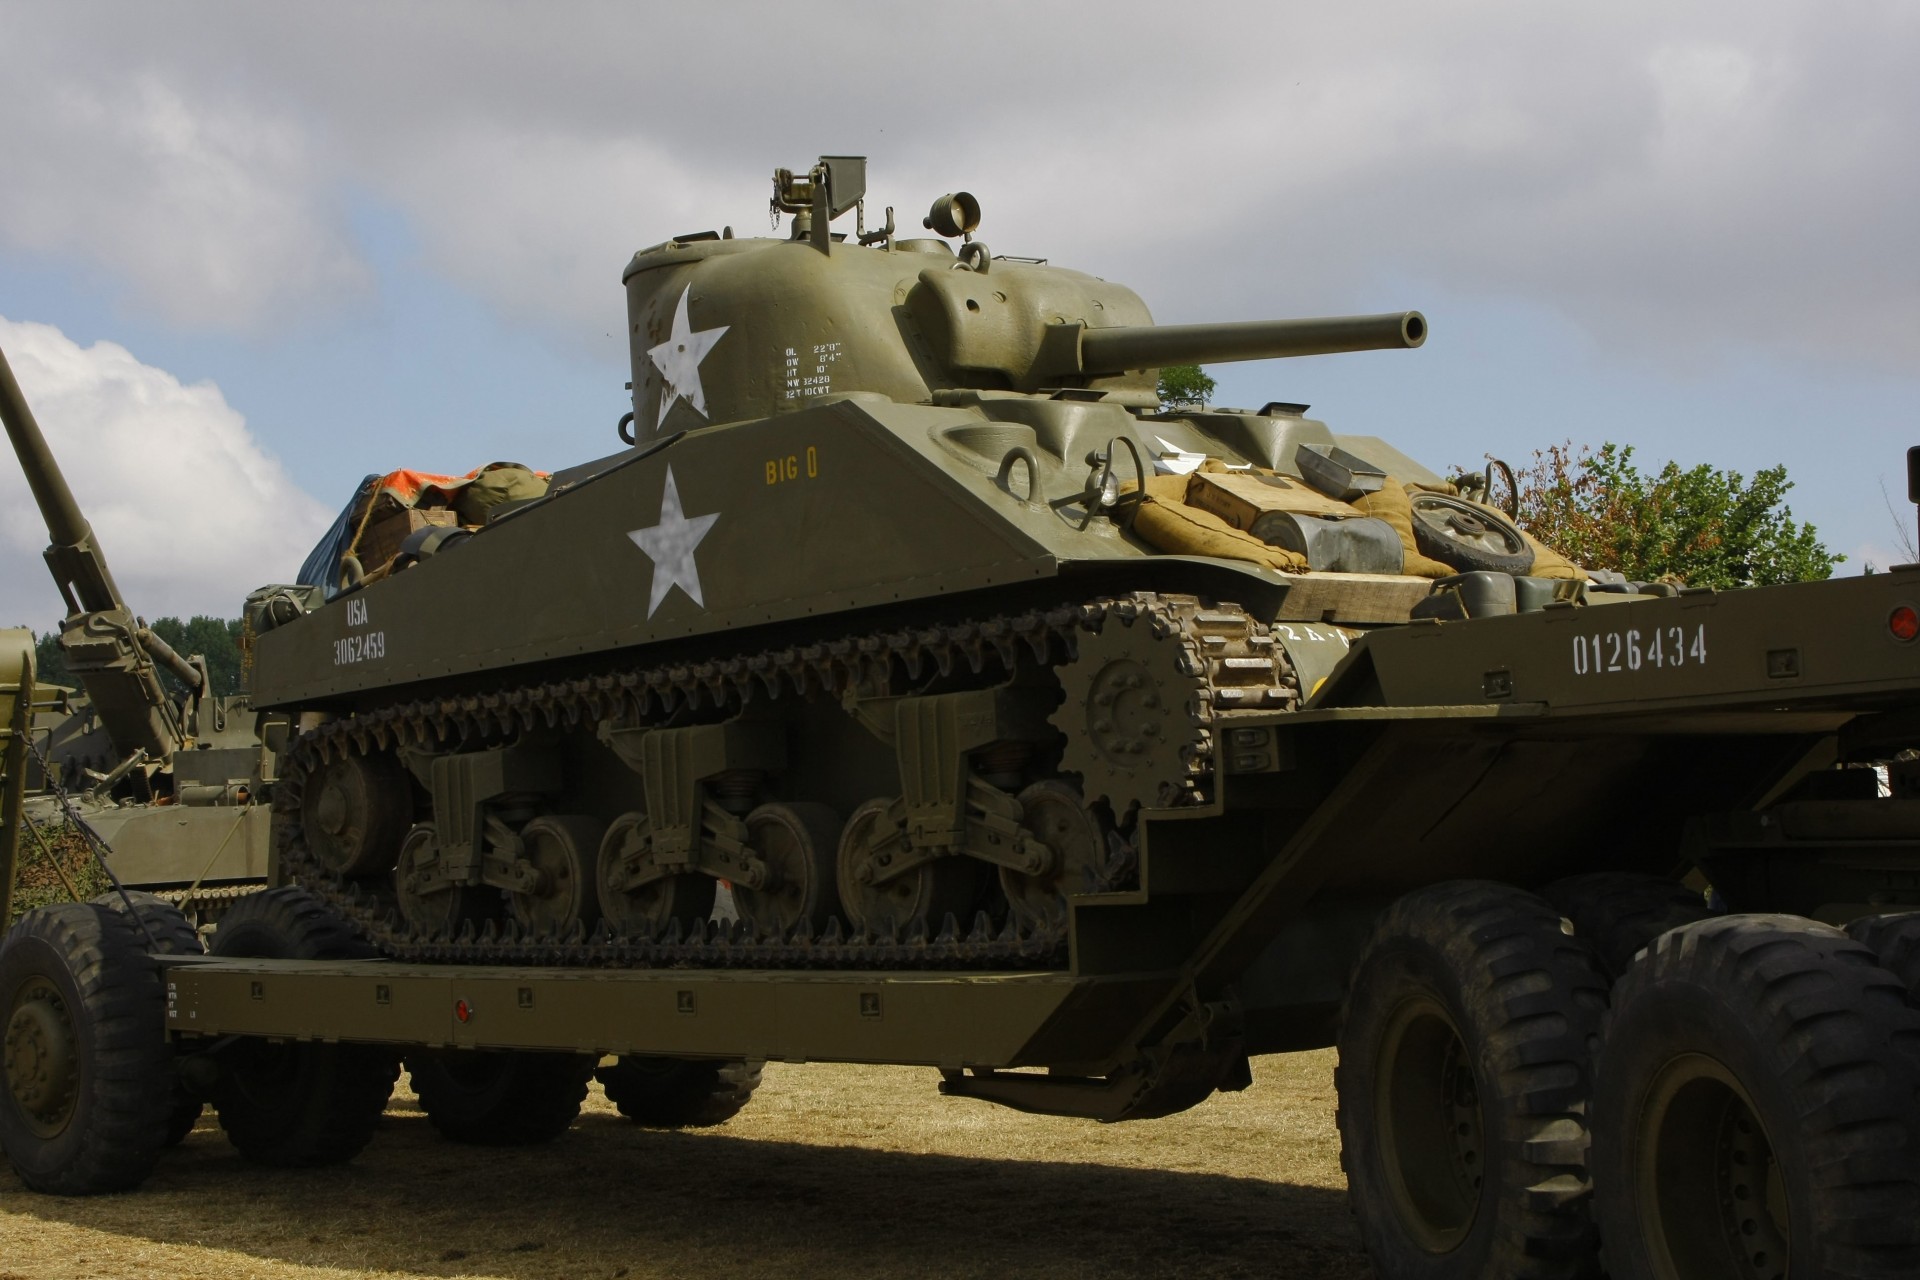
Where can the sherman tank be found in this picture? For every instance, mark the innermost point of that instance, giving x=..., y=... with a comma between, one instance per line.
x=948, y=447
x=1084, y=749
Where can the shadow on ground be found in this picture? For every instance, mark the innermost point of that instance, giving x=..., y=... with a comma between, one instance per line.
x=614, y=1200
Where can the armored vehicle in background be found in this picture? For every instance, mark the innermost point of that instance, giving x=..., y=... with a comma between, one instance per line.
x=1082, y=751
x=168, y=780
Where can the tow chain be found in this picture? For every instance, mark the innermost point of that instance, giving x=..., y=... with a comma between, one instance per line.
x=641, y=695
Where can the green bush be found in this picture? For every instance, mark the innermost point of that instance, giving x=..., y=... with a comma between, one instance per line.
x=36, y=883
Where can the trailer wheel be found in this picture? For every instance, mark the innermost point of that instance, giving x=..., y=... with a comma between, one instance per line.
x=1463, y=1081
x=502, y=1099
x=1757, y=1108
x=1621, y=912
x=297, y=1104
x=168, y=927
x=1895, y=939
x=679, y=1093
x=85, y=1062
x=287, y=923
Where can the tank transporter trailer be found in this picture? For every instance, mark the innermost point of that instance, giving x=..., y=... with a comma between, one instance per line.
x=1080, y=750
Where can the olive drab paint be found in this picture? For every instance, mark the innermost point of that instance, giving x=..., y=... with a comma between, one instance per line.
x=892, y=697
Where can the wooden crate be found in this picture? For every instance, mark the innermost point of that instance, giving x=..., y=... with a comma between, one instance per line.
x=388, y=528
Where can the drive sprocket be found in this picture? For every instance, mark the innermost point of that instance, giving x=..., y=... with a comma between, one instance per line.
x=1149, y=679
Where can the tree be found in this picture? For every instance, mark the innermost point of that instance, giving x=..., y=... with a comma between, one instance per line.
x=1185, y=386
x=217, y=638
x=1709, y=527
x=50, y=661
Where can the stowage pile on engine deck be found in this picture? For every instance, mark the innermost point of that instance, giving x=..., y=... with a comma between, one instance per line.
x=367, y=539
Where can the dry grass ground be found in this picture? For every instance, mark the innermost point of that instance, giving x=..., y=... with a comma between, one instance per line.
x=832, y=1171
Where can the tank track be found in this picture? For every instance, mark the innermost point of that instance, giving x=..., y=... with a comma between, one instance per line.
x=1215, y=644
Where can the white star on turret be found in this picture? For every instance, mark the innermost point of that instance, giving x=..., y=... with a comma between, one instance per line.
x=670, y=543
x=678, y=360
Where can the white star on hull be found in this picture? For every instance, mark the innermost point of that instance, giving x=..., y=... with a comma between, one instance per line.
x=678, y=360
x=671, y=544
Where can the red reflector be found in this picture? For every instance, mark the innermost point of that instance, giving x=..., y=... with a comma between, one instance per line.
x=464, y=1011
x=1904, y=622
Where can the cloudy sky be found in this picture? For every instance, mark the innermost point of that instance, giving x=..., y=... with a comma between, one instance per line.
x=249, y=253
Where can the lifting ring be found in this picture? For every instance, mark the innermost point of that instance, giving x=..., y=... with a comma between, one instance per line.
x=1020, y=453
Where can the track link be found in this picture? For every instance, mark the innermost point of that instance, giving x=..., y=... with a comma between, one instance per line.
x=1218, y=645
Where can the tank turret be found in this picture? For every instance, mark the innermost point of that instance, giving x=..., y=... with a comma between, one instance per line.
x=725, y=329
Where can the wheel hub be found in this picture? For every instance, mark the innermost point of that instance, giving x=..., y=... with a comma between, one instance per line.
x=1712, y=1198
x=1432, y=1134
x=1125, y=712
x=42, y=1058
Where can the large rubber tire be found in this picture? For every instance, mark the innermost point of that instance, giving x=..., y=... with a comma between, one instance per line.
x=1621, y=912
x=164, y=925
x=500, y=1099
x=1757, y=1108
x=301, y=1104
x=679, y=1093
x=1895, y=939
x=287, y=923
x=169, y=928
x=76, y=978
x=1463, y=1082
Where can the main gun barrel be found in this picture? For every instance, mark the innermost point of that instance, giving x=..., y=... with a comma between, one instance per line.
x=1119, y=349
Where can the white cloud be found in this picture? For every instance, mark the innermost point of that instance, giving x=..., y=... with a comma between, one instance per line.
x=189, y=511
x=210, y=210
x=1682, y=181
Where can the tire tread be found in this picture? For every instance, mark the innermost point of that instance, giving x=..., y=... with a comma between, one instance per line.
x=1539, y=1001
x=119, y=1124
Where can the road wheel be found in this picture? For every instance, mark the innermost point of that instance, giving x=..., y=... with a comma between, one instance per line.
x=920, y=897
x=679, y=1093
x=500, y=1099
x=1463, y=1082
x=650, y=908
x=1620, y=912
x=1757, y=1108
x=798, y=843
x=83, y=1051
x=565, y=849
x=297, y=1104
x=1053, y=813
x=164, y=925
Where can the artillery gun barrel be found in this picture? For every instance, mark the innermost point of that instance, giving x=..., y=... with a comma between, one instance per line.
x=66, y=527
x=65, y=524
x=1156, y=346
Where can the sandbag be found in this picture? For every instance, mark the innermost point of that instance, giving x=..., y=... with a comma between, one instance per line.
x=1392, y=503
x=1548, y=563
x=1166, y=523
